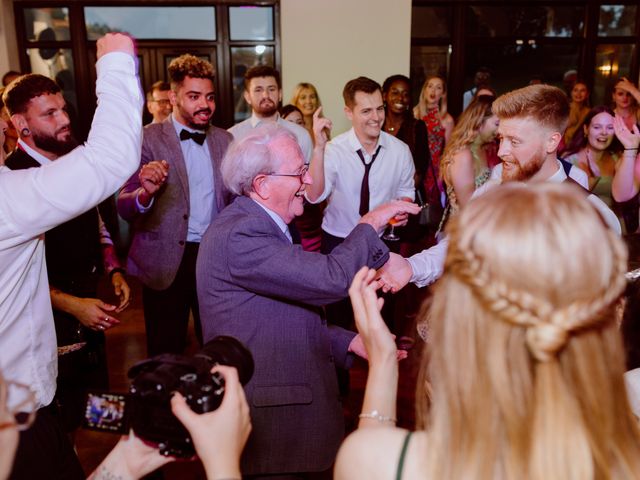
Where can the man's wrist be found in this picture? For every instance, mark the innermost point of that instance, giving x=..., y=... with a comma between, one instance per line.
x=116, y=270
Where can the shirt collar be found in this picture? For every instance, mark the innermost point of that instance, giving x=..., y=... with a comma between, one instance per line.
x=355, y=145
x=274, y=216
x=178, y=127
x=254, y=120
x=37, y=156
x=559, y=176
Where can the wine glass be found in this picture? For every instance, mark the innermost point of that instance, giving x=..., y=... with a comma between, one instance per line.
x=391, y=235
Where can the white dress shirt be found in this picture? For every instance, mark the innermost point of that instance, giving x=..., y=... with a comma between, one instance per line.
x=202, y=195
x=427, y=266
x=35, y=200
x=242, y=129
x=390, y=177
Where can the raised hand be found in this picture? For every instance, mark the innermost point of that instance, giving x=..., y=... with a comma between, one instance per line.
x=376, y=337
x=115, y=42
x=321, y=128
x=629, y=139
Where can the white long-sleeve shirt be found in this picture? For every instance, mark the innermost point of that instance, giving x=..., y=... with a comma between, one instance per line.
x=35, y=200
x=427, y=266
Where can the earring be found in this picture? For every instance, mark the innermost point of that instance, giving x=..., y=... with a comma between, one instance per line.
x=25, y=132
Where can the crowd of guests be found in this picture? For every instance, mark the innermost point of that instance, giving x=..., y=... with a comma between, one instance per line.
x=262, y=231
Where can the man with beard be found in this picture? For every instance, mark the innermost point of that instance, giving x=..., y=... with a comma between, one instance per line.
x=32, y=202
x=76, y=251
x=170, y=201
x=263, y=93
x=532, y=121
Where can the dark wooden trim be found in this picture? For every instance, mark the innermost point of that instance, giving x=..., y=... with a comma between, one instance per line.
x=83, y=50
x=586, y=42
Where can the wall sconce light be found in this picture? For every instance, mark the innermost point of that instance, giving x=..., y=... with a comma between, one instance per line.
x=606, y=69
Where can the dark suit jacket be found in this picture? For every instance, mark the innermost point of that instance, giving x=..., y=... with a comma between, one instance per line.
x=255, y=286
x=159, y=235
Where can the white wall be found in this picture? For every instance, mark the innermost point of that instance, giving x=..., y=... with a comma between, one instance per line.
x=329, y=42
x=8, y=45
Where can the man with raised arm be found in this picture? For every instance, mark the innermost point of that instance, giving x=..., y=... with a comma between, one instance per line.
x=32, y=202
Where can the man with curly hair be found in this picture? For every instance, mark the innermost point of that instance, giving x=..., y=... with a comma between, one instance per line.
x=170, y=201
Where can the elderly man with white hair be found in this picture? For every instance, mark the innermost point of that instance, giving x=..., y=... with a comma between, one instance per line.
x=255, y=285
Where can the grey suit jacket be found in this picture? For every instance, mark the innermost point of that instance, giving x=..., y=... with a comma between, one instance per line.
x=253, y=284
x=159, y=235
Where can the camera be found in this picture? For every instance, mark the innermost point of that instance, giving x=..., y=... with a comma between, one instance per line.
x=147, y=409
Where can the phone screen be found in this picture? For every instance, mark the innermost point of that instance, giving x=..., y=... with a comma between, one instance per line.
x=106, y=412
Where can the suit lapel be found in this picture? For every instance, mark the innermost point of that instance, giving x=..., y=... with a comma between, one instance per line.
x=173, y=144
x=216, y=154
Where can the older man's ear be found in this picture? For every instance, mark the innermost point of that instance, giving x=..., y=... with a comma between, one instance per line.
x=260, y=187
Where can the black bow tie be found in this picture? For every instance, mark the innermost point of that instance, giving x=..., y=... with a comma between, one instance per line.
x=199, y=138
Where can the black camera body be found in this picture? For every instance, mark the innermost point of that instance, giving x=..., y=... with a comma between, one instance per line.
x=147, y=408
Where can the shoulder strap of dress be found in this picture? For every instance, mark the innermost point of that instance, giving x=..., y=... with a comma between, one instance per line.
x=403, y=452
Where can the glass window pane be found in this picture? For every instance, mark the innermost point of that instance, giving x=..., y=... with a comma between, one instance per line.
x=57, y=63
x=242, y=59
x=46, y=24
x=517, y=65
x=612, y=62
x=617, y=20
x=186, y=23
x=538, y=21
x=427, y=61
x=431, y=22
x=251, y=23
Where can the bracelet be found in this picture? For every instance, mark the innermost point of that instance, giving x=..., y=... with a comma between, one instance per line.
x=375, y=415
x=116, y=270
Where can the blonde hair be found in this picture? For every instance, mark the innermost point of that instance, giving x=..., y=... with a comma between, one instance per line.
x=420, y=110
x=298, y=90
x=465, y=131
x=526, y=363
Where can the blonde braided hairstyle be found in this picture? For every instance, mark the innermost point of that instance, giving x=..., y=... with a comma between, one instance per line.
x=525, y=363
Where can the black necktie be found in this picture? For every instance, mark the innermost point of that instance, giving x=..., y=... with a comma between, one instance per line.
x=199, y=138
x=364, y=189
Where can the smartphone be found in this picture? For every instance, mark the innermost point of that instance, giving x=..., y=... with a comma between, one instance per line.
x=106, y=412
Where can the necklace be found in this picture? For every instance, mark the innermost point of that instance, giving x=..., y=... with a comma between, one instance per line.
x=391, y=129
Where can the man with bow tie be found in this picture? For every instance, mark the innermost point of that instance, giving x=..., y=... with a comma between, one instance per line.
x=170, y=201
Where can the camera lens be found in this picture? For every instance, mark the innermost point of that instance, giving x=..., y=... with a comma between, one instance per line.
x=223, y=350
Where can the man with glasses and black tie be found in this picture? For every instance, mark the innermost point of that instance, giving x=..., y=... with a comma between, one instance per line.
x=170, y=201
x=256, y=286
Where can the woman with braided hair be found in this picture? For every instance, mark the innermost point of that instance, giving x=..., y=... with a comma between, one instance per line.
x=523, y=376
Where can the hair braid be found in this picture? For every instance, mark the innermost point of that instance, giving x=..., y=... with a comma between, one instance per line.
x=548, y=328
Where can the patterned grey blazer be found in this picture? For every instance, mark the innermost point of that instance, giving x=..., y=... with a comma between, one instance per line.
x=253, y=284
x=159, y=235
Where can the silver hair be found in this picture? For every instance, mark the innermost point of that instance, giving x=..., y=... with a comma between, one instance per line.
x=253, y=155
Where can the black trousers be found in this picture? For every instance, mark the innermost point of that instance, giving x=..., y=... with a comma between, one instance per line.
x=166, y=312
x=340, y=313
x=45, y=451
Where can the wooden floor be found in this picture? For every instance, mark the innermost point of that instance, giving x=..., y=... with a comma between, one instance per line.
x=126, y=346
